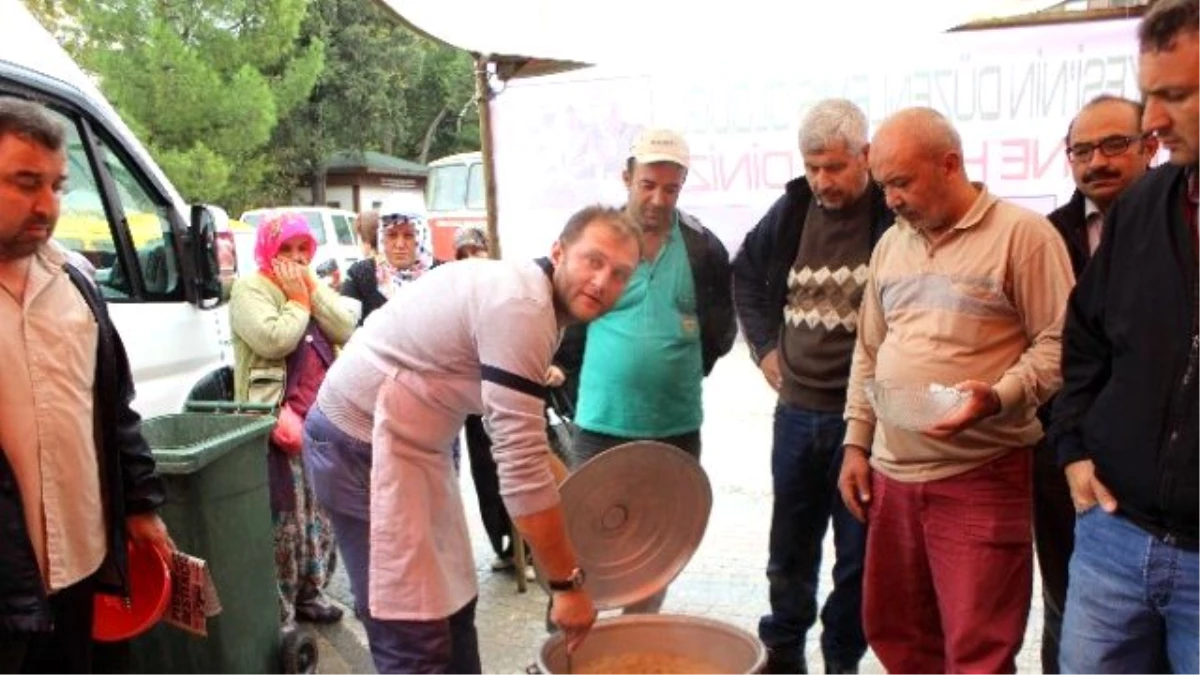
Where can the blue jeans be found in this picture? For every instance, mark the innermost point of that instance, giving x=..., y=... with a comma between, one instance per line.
x=1132, y=601
x=805, y=461
x=339, y=467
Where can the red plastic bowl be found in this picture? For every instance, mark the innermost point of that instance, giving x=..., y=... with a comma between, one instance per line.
x=115, y=618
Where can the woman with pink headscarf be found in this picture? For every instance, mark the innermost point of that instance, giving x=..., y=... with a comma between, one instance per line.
x=285, y=327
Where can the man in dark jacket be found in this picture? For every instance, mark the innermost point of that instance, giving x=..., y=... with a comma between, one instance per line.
x=1125, y=421
x=798, y=282
x=1108, y=153
x=643, y=363
x=77, y=479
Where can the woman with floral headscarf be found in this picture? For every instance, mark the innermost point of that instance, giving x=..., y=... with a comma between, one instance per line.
x=403, y=253
x=285, y=327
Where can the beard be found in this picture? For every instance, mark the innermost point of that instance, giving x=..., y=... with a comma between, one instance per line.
x=27, y=239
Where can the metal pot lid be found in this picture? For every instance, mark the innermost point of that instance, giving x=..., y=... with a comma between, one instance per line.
x=636, y=514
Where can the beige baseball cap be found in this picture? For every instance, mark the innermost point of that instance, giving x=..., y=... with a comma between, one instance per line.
x=660, y=145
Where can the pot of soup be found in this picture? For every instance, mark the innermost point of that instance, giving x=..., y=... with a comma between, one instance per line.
x=657, y=643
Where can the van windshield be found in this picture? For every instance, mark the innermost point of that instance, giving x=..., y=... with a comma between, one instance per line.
x=454, y=187
x=312, y=218
x=448, y=187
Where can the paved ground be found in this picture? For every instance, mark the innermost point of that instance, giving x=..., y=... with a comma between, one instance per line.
x=725, y=579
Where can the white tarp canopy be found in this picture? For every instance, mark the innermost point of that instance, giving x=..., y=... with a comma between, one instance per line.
x=667, y=34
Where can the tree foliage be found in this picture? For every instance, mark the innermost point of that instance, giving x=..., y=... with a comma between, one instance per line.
x=381, y=89
x=241, y=100
x=205, y=81
x=443, y=98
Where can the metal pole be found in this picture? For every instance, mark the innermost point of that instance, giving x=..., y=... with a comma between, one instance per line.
x=483, y=97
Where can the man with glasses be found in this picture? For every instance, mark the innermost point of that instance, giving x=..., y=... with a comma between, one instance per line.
x=1108, y=153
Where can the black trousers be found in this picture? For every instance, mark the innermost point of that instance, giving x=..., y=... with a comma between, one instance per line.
x=1054, y=539
x=487, y=488
x=587, y=444
x=66, y=649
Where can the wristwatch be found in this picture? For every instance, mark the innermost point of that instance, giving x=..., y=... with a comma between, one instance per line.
x=570, y=583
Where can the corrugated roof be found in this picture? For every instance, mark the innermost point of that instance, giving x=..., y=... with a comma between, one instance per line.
x=346, y=161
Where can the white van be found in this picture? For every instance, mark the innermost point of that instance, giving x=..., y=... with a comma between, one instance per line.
x=154, y=256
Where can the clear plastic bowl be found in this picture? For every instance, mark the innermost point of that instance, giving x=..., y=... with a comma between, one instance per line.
x=912, y=405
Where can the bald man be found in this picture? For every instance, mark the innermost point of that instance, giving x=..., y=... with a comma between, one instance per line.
x=967, y=291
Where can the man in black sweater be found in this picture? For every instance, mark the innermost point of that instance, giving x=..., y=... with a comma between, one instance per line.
x=798, y=282
x=1108, y=152
x=1125, y=422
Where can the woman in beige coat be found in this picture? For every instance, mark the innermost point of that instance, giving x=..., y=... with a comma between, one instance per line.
x=286, y=327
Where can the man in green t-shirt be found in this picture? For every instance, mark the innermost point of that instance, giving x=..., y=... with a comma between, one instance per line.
x=642, y=365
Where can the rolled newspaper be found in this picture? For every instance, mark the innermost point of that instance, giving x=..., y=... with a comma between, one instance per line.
x=193, y=595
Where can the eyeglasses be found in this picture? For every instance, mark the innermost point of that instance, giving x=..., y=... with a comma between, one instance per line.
x=1110, y=146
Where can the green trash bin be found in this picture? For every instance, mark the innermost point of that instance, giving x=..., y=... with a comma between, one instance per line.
x=218, y=508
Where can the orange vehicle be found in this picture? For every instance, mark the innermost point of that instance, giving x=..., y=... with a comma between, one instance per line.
x=454, y=198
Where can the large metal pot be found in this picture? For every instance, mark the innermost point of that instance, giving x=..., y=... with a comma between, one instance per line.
x=726, y=648
x=636, y=513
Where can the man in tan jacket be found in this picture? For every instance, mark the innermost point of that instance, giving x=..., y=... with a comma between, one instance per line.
x=968, y=291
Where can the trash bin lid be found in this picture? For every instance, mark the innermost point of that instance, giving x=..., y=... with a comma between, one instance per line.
x=636, y=514
x=185, y=443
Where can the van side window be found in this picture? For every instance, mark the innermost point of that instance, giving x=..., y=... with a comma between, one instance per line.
x=85, y=227
x=148, y=224
x=344, y=229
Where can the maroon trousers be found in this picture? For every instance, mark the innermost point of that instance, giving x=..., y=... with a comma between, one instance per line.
x=949, y=569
